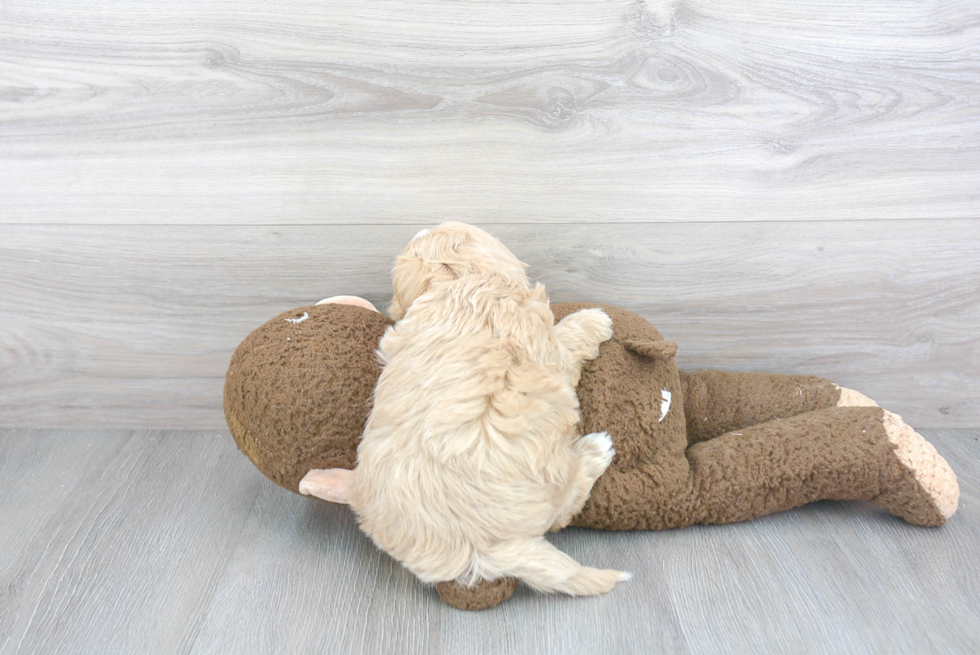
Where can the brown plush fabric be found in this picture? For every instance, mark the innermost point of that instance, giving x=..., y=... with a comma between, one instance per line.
x=481, y=596
x=297, y=394
x=753, y=445
x=905, y=498
x=716, y=402
x=733, y=446
x=620, y=391
x=831, y=454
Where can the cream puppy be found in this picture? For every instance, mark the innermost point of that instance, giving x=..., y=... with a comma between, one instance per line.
x=470, y=453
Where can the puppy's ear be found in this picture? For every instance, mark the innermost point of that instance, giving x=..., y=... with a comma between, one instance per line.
x=443, y=250
x=410, y=280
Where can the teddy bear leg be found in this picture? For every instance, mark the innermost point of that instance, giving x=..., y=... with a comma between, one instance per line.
x=717, y=402
x=924, y=470
x=839, y=453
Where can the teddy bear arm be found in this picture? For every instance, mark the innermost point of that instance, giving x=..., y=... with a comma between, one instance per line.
x=718, y=402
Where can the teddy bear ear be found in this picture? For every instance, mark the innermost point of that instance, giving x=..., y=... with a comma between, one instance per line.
x=662, y=349
x=326, y=484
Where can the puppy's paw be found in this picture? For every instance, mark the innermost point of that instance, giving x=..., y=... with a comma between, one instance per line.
x=595, y=453
x=580, y=334
x=596, y=324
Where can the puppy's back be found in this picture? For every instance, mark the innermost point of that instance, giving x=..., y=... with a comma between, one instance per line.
x=467, y=443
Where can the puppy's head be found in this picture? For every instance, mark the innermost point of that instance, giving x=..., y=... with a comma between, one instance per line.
x=449, y=252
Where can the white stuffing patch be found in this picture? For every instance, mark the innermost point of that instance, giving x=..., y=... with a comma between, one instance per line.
x=302, y=318
x=664, y=405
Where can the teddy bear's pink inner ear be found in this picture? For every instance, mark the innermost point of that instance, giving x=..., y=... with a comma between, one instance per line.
x=326, y=484
x=357, y=301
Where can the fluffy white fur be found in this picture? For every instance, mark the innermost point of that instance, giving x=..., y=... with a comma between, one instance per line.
x=470, y=454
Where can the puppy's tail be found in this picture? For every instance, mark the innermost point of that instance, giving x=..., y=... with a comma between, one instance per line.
x=544, y=567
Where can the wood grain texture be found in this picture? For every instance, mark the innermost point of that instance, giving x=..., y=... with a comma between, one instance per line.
x=173, y=542
x=125, y=545
x=133, y=326
x=398, y=112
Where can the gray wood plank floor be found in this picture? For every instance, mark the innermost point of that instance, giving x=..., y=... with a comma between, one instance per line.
x=170, y=542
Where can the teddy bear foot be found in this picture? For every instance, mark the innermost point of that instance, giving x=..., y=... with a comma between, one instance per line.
x=483, y=595
x=927, y=492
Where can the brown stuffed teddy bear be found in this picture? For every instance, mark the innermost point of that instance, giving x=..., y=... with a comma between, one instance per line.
x=698, y=447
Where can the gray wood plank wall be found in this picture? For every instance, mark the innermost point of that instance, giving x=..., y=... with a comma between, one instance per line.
x=778, y=185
